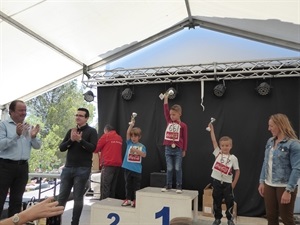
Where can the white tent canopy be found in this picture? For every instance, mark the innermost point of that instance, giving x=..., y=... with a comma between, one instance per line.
x=45, y=43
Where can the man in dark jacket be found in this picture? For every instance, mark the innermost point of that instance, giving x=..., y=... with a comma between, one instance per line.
x=80, y=142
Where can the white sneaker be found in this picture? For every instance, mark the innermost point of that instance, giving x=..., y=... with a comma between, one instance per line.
x=126, y=202
x=166, y=188
x=178, y=191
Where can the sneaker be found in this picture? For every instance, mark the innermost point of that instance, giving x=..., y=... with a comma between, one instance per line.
x=216, y=222
x=126, y=202
x=230, y=222
x=166, y=188
x=179, y=191
x=133, y=203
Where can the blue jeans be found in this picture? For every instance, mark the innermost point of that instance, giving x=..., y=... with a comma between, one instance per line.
x=77, y=178
x=174, y=161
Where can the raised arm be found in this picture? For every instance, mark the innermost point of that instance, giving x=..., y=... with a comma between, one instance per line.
x=213, y=136
x=131, y=124
x=166, y=98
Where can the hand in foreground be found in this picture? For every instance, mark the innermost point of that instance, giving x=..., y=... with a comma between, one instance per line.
x=43, y=209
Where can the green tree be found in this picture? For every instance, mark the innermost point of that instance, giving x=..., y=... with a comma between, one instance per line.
x=46, y=158
x=55, y=111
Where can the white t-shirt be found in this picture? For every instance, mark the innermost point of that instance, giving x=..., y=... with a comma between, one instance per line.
x=223, y=166
x=268, y=180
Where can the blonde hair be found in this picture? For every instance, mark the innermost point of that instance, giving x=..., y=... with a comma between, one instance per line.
x=176, y=108
x=284, y=125
x=136, y=131
x=225, y=138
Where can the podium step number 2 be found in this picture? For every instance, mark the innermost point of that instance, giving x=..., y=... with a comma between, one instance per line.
x=153, y=207
x=164, y=214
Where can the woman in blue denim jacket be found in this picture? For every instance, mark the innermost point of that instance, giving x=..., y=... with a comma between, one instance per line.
x=280, y=171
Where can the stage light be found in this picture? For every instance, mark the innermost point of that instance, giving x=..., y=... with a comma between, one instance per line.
x=127, y=94
x=172, y=93
x=89, y=96
x=263, y=88
x=219, y=90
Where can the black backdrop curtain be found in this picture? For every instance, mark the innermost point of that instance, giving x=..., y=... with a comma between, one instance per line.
x=241, y=114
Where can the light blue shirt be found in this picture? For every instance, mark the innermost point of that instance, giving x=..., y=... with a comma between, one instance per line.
x=13, y=146
x=133, y=162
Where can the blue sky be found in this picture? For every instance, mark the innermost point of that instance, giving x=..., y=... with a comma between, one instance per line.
x=198, y=46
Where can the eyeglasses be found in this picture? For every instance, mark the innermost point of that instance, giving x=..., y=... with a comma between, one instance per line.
x=78, y=115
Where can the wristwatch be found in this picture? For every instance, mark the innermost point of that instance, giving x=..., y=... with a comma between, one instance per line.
x=16, y=219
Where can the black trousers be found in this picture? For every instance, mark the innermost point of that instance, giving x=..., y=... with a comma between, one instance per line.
x=109, y=178
x=13, y=179
x=222, y=190
x=132, y=183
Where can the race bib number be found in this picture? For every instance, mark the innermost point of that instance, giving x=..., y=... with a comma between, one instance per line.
x=172, y=132
x=133, y=157
x=222, y=168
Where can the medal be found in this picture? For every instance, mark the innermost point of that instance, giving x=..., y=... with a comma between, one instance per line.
x=173, y=145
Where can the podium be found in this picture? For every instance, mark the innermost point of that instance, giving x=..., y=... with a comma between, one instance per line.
x=153, y=207
x=109, y=211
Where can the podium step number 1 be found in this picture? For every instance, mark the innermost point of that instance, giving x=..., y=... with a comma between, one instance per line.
x=153, y=207
x=164, y=214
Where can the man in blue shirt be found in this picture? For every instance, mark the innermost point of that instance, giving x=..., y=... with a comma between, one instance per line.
x=16, y=140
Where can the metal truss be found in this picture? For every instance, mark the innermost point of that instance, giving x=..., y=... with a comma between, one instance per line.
x=261, y=69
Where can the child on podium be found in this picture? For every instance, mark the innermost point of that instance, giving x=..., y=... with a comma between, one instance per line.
x=222, y=174
x=175, y=142
x=132, y=162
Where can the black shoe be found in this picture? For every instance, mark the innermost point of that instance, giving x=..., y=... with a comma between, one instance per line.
x=230, y=222
x=216, y=222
